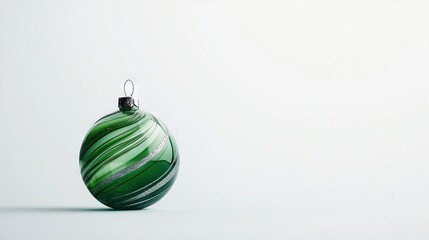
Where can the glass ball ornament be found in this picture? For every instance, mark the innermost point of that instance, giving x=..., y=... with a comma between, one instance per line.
x=129, y=159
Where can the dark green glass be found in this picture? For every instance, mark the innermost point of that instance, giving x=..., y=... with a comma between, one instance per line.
x=128, y=159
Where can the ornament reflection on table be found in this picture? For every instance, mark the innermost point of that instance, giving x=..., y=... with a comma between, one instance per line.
x=128, y=159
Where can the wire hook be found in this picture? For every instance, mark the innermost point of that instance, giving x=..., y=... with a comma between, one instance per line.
x=125, y=88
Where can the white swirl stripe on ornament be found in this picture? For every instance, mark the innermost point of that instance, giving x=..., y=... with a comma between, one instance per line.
x=133, y=167
x=173, y=168
x=132, y=141
x=154, y=188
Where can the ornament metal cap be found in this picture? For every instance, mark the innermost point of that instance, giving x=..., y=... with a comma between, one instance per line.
x=127, y=103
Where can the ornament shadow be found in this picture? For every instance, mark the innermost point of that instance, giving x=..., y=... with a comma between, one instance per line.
x=59, y=209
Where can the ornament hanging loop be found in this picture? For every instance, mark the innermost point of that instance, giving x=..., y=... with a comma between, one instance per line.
x=125, y=88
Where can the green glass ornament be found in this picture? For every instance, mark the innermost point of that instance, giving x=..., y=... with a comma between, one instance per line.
x=128, y=159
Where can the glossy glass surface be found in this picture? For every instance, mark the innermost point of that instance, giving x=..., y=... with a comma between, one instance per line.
x=129, y=160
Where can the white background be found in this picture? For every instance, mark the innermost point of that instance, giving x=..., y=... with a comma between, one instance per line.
x=294, y=119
